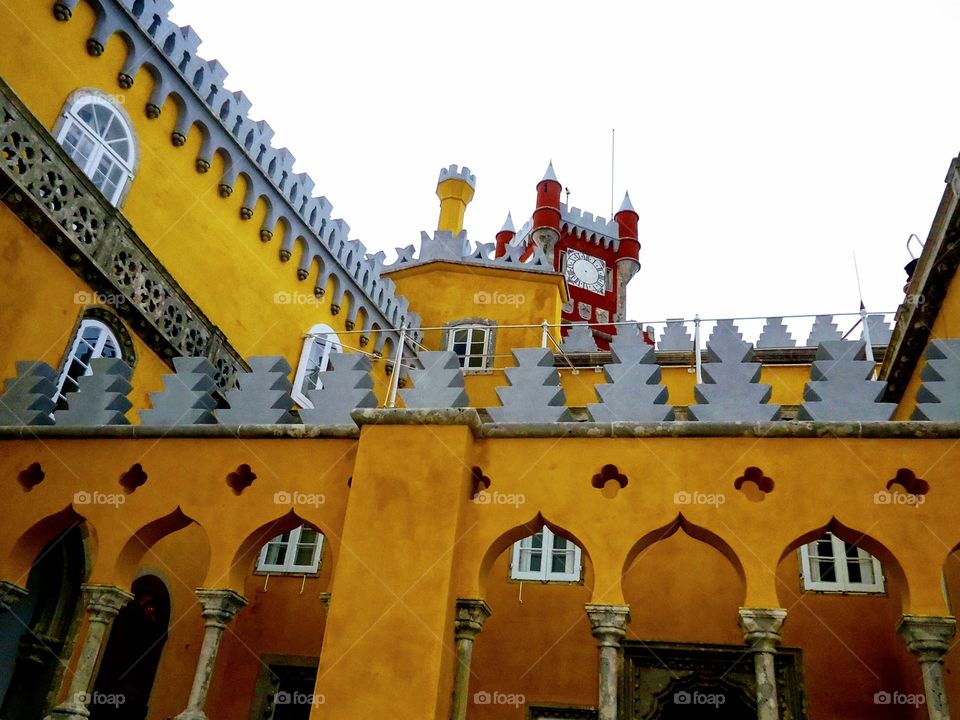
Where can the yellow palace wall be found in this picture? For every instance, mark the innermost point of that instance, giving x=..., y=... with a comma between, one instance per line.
x=237, y=280
x=416, y=543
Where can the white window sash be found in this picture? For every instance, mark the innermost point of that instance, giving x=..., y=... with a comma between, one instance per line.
x=468, y=354
x=318, y=333
x=289, y=564
x=545, y=573
x=100, y=146
x=843, y=582
x=104, y=335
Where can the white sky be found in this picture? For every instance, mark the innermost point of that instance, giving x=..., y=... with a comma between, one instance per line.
x=761, y=142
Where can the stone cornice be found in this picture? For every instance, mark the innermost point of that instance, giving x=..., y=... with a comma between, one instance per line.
x=52, y=196
x=469, y=417
x=931, y=278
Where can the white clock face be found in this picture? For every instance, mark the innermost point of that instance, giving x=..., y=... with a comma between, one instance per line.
x=586, y=271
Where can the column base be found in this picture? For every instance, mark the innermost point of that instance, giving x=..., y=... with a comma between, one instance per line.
x=69, y=711
x=191, y=715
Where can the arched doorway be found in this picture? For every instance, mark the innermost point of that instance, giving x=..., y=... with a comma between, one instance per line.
x=125, y=680
x=43, y=627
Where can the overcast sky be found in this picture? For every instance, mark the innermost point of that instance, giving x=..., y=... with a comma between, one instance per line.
x=761, y=142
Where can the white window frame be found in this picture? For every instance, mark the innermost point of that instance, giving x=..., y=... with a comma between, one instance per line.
x=547, y=549
x=288, y=565
x=70, y=118
x=470, y=329
x=326, y=339
x=843, y=583
x=105, y=338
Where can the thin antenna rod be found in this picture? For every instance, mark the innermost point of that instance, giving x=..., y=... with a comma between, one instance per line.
x=856, y=269
x=613, y=155
x=868, y=343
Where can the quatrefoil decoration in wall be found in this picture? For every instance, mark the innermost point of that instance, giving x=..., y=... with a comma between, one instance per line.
x=609, y=481
x=754, y=484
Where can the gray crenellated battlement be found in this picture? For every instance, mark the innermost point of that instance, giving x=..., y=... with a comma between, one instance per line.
x=457, y=173
x=596, y=229
x=170, y=54
x=449, y=247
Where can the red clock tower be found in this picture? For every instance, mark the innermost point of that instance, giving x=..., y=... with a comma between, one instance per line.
x=598, y=257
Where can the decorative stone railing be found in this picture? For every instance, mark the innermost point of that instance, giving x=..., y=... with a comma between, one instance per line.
x=42, y=185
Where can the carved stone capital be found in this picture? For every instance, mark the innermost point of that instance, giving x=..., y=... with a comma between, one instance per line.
x=103, y=602
x=219, y=606
x=927, y=636
x=761, y=627
x=11, y=594
x=471, y=614
x=608, y=623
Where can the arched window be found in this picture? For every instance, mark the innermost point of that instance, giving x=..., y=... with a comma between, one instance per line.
x=93, y=340
x=98, y=136
x=473, y=340
x=318, y=344
x=545, y=557
x=832, y=565
x=296, y=551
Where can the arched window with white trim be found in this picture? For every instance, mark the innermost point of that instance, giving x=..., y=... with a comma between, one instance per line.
x=93, y=339
x=320, y=342
x=98, y=136
x=545, y=557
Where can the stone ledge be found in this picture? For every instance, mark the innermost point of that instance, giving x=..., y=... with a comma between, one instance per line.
x=469, y=417
x=134, y=432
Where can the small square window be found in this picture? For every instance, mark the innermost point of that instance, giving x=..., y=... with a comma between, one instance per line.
x=472, y=344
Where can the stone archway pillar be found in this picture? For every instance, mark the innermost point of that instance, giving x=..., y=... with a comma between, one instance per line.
x=103, y=602
x=471, y=614
x=761, y=631
x=219, y=607
x=609, y=625
x=928, y=637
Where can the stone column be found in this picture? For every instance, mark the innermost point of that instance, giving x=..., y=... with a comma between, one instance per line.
x=928, y=637
x=609, y=626
x=103, y=602
x=761, y=631
x=471, y=615
x=219, y=607
x=10, y=595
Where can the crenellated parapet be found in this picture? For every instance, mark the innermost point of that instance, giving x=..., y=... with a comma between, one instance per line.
x=170, y=54
x=446, y=246
x=584, y=225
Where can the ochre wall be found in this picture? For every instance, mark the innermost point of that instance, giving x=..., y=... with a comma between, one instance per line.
x=238, y=281
x=41, y=302
x=946, y=325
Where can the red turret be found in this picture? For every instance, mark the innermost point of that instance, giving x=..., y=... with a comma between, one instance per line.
x=506, y=234
x=627, y=219
x=546, y=218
